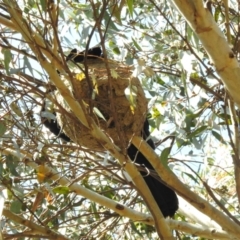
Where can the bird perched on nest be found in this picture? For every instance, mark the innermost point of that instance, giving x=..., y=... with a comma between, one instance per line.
x=78, y=57
x=94, y=59
x=163, y=195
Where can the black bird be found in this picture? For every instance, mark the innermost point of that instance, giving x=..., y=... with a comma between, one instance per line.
x=53, y=126
x=78, y=57
x=165, y=197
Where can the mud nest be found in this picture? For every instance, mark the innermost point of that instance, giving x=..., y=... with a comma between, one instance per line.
x=104, y=95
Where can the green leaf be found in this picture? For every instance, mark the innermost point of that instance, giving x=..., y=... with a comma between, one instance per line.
x=160, y=81
x=7, y=59
x=52, y=207
x=111, y=44
x=28, y=65
x=111, y=24
x=12, y=164
x=136, y=45
x=192, y=177
x=61, y=190
x=94, y=209
x=116, y=50
x=182, y=91
x=117, y=10
x=218, y=137
x=16, y=207
x=43, y=5
x=198, y=131
x=164, y=156
x=135, y=229
x=182, y=142
x=189, y=120
x=16, y=109
x=1, y=169
x=210, y=160
x=108, y=192
x=217, y=13
x=168, y=32
x=130, y=7
x=3, y=128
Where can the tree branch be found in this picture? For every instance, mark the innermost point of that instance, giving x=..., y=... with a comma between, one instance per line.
x=214, y=42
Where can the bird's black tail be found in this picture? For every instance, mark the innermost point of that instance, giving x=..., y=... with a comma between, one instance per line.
x=165, y=197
